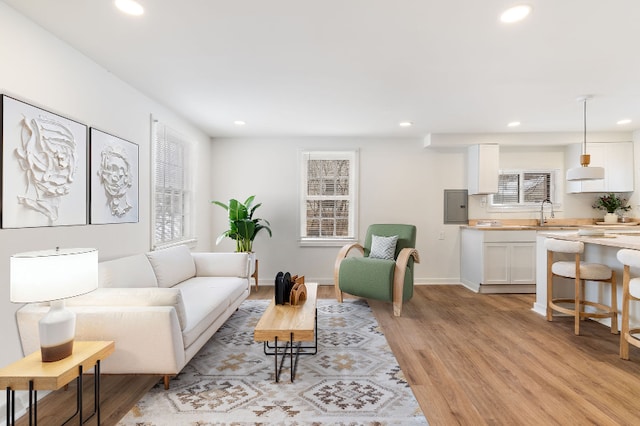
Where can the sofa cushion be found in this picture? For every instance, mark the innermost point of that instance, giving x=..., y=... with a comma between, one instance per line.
x=172, y=265
x=205, y=300
x=131, y=271
x=221, y=264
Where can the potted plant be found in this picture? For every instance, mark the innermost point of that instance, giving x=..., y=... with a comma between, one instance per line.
x=611, y=203
x=243, y=227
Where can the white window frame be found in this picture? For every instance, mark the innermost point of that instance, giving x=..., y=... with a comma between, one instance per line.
x=161, y=133
x=529, y=207
x=352, y=157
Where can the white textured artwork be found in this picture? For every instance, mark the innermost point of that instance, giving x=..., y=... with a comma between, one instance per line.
x=44, y=167
x=114, y=179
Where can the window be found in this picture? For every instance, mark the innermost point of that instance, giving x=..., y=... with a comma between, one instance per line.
x=328, y=197
x=172, y=189
x=524, y=188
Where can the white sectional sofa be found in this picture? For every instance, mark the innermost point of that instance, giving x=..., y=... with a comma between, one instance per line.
x=160, y=308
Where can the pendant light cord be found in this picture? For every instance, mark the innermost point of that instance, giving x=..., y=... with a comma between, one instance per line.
x=584, y=139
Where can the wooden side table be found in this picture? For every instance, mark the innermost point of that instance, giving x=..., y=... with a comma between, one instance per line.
x=31, y=374
x=255, y=275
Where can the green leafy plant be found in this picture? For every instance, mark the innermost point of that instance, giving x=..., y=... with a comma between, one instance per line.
x=611, y=203
x=243, y=227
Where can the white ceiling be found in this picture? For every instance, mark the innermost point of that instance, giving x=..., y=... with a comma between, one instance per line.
x=359, y=67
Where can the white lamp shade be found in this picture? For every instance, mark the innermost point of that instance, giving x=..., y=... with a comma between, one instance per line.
x=585, y=173
x=41, y=276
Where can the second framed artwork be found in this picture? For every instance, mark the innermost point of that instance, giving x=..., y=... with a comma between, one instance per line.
x=114, y=179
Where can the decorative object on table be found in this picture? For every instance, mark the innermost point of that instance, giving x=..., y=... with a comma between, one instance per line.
x=289, y=289
x=44, y=167
x=353, y=379
x=243, y=227
x=612, y=204
x=52, y=276
x=114, y=179
x=584, y=172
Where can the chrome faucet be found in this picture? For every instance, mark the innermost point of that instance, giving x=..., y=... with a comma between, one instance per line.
x=542, y=219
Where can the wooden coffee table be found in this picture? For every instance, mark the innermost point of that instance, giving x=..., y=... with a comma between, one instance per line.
x=291, y=324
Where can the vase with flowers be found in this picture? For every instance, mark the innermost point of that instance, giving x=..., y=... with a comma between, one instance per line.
x=612, y=204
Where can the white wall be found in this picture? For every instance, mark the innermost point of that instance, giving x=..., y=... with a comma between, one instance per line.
x=400, y=182
x=39, y=69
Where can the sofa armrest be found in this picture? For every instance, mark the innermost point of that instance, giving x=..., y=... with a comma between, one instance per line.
x=148, y=338
x=222, y=264
x=140, y=297
x=342, y=254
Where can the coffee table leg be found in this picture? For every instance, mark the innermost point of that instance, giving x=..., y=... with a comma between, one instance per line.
x=275, y=357
x=293, y=372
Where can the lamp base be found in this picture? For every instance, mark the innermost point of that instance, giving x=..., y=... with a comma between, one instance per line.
x=57, y=330
x=56, y=353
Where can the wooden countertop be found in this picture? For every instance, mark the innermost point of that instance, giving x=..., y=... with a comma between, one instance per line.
x=551, y=224
x=618, y=238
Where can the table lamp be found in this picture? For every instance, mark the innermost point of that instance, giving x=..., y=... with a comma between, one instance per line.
x=52, y=276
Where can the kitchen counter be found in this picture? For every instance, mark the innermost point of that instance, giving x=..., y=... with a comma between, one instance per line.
x=523, y=227
x=597, y=249
x=626, y=238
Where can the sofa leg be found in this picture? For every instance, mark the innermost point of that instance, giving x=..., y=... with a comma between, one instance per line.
x=166, y=382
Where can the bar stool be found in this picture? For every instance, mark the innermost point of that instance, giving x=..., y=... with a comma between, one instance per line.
x=580, y=272
x=630, y=291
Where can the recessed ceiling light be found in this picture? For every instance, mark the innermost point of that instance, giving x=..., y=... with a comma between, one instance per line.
x=513, y=124
x=625, y=121
x=405, y=124
x=515, y=13
x=239, y=123
x=130, y=7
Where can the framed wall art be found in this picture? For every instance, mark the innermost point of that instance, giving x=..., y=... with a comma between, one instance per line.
x=114, y=179
x=44, y=167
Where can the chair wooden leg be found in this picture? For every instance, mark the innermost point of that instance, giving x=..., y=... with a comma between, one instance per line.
x=166, y=381
x=397, y=307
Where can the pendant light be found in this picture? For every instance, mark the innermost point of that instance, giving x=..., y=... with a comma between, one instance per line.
x=584, y=172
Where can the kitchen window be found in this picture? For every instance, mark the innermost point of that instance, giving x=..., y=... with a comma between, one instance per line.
x=328, y=197
x=523, y=189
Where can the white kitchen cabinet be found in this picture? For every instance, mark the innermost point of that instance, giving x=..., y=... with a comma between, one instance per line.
x=483, y=168
x=509, y=263
x=498, y=261
x=615, y=157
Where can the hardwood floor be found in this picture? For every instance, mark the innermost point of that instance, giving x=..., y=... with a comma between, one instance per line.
x=471, y=359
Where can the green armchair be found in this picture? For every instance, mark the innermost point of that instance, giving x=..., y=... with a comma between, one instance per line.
x=379, y=275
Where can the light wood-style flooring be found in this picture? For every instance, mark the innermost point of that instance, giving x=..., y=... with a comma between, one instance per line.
x=471, y=359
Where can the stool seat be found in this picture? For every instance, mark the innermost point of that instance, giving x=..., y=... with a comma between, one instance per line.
x=588, y=271
x=634, y=287
x=579, y=272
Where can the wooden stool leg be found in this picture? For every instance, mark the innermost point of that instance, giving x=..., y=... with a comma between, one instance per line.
x=614, y=304
x=576, y=307
x=549, y=285
x=624, y=344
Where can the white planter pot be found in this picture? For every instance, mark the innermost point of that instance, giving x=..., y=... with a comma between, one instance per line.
x=611, y=218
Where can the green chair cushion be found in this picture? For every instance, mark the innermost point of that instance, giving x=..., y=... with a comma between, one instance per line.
x=366, y=277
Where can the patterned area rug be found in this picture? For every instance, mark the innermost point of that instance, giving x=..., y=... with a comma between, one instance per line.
x=353, y=379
